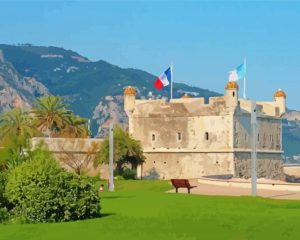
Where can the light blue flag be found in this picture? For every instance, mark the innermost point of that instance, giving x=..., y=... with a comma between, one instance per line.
x=241, y=71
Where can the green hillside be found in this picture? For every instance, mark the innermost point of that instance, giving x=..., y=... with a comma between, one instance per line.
x=85, y=83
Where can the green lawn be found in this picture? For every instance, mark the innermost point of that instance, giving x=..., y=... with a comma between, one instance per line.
x=142, y=210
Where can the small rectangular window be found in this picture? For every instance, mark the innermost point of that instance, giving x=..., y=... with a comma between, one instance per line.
x=206, y=136
x=153, y=137
x=179, y=136
x=271, y=138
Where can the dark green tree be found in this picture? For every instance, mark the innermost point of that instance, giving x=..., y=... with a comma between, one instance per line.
x=127, y=150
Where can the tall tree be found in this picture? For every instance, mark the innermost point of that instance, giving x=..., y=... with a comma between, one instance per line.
x=76, y=127
x=51, y=114
x=126, y=150
x=55, y=120
x=16, y=122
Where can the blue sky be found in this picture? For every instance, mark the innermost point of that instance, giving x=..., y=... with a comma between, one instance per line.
x=204, y=40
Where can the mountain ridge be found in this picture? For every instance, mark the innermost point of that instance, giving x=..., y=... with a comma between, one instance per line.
x=84, y=83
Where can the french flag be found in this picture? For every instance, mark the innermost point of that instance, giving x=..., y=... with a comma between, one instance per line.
x=164, y=79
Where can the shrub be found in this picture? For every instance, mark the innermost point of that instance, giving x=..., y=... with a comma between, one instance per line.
x=3, y=200
x=42, y=191
x=128, y=173
x=118, y=177
x=4, y=215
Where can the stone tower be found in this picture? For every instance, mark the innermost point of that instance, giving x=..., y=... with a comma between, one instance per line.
x=129, y=98
x=280, y=101
x=129, y=104
x=231, y=95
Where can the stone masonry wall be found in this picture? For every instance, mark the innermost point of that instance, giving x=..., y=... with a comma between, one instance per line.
x=269, y=165
x=74, y=153
x=186, y=165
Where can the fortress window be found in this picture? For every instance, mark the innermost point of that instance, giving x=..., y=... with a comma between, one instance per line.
x=233, y=94
x=206, y=136
x=153, y=137
x=179, y=137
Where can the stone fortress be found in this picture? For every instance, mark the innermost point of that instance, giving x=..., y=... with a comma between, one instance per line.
x=187, y=138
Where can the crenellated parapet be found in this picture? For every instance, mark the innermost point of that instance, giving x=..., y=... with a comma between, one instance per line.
x=193, y=106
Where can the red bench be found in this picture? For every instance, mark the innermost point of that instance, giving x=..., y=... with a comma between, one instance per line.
x=182, y=183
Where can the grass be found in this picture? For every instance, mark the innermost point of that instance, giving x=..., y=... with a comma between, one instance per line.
x=142, y=210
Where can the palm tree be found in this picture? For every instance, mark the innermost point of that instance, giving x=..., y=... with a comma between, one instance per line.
x=51, y=114
x=16, y=127
x=76, y=128
x=16, y=123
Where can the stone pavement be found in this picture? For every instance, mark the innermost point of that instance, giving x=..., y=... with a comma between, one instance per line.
x=213, y=190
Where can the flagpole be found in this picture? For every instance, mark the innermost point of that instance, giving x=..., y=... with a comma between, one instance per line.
x=172, y=80
x=253, y=149
x=244, y=94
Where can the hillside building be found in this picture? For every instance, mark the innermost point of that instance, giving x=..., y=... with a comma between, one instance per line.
x=188, y=138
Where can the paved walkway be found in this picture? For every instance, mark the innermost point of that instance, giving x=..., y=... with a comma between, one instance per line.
x=213, y=190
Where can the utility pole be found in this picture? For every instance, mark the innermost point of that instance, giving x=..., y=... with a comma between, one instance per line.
x=89, y=127
x=111, y=186
x=253, y=146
